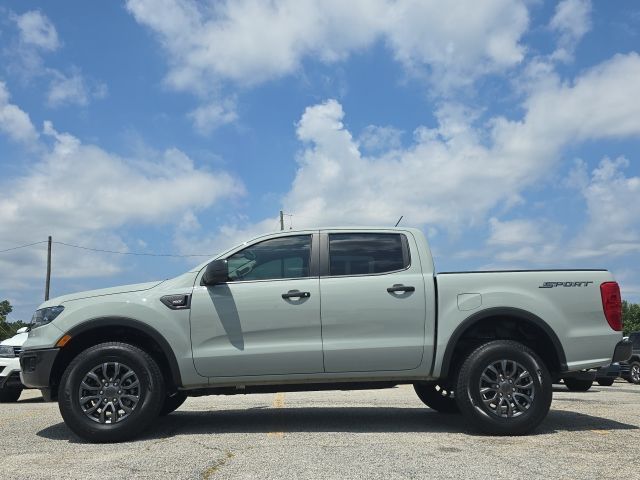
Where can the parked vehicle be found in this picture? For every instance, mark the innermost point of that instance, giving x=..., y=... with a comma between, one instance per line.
x=583, y=380
x=10, y=385
x=342, y=308
x=605, y=376
x=630, y=370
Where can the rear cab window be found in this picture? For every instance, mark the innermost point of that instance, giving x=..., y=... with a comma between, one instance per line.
x=367, y=253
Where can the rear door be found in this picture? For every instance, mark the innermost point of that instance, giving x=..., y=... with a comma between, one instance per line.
x=372, y=301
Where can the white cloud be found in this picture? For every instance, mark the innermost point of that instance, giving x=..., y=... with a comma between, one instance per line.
x=251, y=41
x=455, y=173
x=378, y=139
x=37, y=30
x=514, y=232
x=14, y=122
x=37, y=36
x=72, y=89
x=611, y=229
x=208, y=117
x=613, y=206
x=82, y=194
x=571, y=21
x=459, y=41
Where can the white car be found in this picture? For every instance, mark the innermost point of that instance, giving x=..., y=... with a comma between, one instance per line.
x=10, y=384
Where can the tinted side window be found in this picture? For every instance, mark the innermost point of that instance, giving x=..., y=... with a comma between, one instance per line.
x=635, y=340
x=367, y=253
x=284, y=257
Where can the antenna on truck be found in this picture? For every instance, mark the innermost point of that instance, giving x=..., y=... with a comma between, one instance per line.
x=399, y=220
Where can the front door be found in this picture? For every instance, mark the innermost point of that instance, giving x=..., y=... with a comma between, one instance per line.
x=266, y=319
x=373, y=302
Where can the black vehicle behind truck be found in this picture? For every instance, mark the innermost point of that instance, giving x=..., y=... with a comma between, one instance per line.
x=630, y=370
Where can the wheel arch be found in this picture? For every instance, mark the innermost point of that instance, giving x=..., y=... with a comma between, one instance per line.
x=123, y=329
x=500, y=316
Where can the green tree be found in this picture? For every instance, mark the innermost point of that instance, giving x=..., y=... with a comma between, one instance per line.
x=630, y=317
x=5, y=309
x=8, y=329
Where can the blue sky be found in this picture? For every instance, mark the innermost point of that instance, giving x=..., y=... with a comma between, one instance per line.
x=507, y=130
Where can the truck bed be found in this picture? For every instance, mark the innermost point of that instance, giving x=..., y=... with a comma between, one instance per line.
x=568, y=301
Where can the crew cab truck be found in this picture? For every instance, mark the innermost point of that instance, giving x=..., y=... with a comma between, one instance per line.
x=335, y=308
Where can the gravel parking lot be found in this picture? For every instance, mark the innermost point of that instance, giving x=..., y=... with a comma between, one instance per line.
x=357, y=434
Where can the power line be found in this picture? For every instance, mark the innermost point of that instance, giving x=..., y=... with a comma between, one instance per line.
x=132, y=253
x=23, y=246
x=108, y=251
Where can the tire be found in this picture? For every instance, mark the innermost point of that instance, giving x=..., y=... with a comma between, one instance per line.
x=634, y=372
x=172, y=403
x=605, y=382
x=140, y=394
x=10, y=395
x=436, y=397
x=576, y=385
x=490, y=414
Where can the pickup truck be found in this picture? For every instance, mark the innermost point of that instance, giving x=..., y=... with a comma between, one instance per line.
x=323, y=309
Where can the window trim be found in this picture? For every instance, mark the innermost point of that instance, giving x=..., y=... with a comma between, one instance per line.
x=314, y=259
x=325, y=271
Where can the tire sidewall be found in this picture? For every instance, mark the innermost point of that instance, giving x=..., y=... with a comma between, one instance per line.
x=469, y=397
x=10, y=395
x=631, y=365
x=151, y=393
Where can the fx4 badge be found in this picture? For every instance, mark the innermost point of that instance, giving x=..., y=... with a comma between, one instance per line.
x=564, y=284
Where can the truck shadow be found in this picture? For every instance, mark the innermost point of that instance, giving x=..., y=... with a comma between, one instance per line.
x=351, y=420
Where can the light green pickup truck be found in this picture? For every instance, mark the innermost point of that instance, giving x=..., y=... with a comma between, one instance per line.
x=336, y=308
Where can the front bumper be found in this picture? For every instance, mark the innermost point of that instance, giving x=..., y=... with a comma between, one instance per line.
x=622, y=352
x=36, y=366
x=11, y=381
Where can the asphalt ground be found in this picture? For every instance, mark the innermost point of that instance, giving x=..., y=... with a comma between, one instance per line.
x=357, y=434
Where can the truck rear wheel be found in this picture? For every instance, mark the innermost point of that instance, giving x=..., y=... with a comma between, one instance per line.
x=436, y=397
x=605, y=382
x=578, y=385
x=504, y=388
x=111, y=392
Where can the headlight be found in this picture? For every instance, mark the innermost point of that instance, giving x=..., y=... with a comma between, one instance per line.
x=45, y=315
x=7, y=351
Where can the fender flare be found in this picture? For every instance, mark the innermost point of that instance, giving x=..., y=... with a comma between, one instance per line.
x=115, y=321
x=512, y=312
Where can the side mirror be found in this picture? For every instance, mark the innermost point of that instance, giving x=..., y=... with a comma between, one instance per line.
x=216, y=272
x=23, y=330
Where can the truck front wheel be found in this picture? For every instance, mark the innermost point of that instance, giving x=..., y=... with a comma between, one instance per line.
x=111, y=392
x=504, y=388
x=436, y=397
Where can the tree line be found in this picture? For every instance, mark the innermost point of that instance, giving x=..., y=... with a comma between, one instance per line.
x=8, y=329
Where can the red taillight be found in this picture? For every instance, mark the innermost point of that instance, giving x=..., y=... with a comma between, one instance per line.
x=612, y=304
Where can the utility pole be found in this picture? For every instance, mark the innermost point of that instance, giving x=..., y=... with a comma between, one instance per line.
x=48, y=283
x=281, y=220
